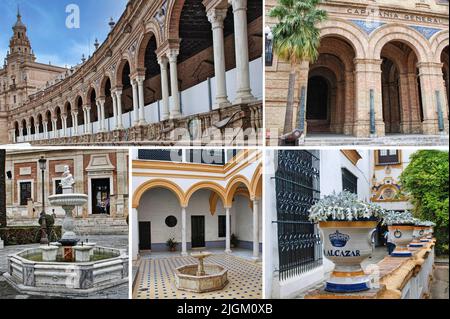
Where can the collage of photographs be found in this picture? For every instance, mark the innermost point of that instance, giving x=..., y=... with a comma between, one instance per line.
x=224, y=149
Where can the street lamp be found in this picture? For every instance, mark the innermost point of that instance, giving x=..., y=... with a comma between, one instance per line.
x=44, y=238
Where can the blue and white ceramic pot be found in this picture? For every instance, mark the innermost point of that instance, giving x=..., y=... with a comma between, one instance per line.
x=347, y=244
x=402, y=236
x=418, y=234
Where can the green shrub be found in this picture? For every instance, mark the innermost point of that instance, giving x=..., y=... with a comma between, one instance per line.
x=28, y=235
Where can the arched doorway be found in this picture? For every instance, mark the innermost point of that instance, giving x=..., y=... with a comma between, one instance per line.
x=32, y=126
x=401, y=90
x=80, y=112
x=318, y=105
x=58, y=118
x=390, y=96
x=330, y=92
x=69, y=121
x=94, y=116
x=40, y=124
x=24, y=127
x=48, y=119
x=16, y=130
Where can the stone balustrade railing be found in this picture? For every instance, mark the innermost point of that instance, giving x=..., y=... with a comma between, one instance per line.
x=239, y=119
x=398, y=278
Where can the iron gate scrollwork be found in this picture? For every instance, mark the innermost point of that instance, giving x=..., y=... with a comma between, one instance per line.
x=297, y=189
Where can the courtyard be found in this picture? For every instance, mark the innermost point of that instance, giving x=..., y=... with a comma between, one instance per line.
x=156, y=280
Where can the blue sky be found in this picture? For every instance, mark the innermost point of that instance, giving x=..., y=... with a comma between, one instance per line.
x=50, y=39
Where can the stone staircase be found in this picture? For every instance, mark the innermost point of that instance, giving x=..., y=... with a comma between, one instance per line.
x=92, y=225
x=101, y=225
x=389, y=140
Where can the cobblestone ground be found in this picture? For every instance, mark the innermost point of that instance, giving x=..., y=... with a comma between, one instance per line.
x=116, y=241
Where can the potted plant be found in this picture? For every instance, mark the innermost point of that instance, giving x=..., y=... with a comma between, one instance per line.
x=346, y=224
x=172, y=244
x=428, y=231
x=234, y=241
x=401, y=228
x=420, y=233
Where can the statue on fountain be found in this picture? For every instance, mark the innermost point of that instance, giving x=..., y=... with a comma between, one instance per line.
x=67, y=180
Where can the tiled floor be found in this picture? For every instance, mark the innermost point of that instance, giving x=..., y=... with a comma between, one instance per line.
x=156, y=278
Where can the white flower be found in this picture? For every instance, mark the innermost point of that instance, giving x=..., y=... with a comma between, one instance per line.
x=343, y=206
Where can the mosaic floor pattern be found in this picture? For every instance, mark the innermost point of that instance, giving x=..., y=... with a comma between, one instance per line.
x=156, y=279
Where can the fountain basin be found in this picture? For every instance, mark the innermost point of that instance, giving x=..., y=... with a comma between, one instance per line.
x=68, y=199
x=28, y=274
x=215, y=278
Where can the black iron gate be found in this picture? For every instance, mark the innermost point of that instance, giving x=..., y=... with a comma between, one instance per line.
x=297, y=189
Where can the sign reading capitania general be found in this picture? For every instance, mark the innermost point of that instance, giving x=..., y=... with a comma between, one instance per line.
x=393, y=15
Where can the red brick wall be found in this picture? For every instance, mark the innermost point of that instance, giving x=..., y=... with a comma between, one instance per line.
x=18, y=177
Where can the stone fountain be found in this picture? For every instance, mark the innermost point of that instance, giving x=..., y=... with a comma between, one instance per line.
x=66, y=267
x=201, y=277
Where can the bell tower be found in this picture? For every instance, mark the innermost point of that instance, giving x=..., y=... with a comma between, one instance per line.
x=19, y=45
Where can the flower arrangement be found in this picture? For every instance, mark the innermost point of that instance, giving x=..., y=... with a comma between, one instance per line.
x=399, y=218
x=426, y=223
x=344, y=206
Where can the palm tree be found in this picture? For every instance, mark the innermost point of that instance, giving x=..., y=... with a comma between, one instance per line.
x=296, y=38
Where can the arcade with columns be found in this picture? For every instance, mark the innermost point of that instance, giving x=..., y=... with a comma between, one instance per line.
x=200, y=206
x=382, y=69
x=163, y=64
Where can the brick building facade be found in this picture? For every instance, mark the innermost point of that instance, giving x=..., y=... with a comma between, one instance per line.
x=101, y=174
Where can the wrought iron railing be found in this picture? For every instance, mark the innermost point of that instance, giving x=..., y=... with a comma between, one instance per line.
x=297, y=189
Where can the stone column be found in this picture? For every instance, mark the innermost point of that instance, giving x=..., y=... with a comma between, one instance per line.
x=28, y=133
x=434, y=105
x=244, y=92
x=216, y=17
x=64, y=125
x=140, y=81
x=44, y=124
x=135, y=102
x=175, y=108
x=114, y=102
x=88, y=122
x=164, y=87
x=55, y=128
x=228, y=231
x=135, y=226
x=183, y=232
x=101, y=113
x=367, y=83
x=36, y=132
x=85, y=131
x=75, y=123
x=255, y=229
x=119, y=125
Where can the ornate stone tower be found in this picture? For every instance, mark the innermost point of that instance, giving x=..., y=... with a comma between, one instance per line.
x=20, y=75
x=19, y=45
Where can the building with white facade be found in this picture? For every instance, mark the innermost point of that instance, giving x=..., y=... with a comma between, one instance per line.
x=295, y=180
x=198, y=198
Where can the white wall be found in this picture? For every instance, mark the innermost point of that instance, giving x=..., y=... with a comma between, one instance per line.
x=331, y=163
